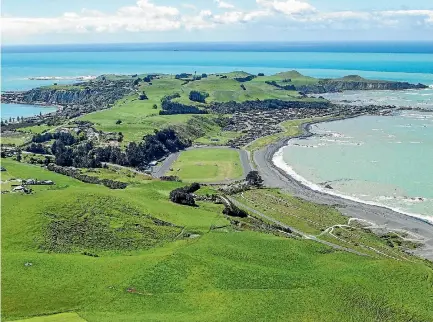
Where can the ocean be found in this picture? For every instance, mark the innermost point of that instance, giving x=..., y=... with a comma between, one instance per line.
x=383, y=160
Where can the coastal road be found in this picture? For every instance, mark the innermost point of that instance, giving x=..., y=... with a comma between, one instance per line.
x=165, y=166
x=275, y=177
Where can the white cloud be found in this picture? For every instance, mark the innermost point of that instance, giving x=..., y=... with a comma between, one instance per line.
x=146, y=16
x=224, y=5
x=288, y=7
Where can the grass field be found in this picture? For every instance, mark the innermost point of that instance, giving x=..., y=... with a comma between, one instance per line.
x=207, y=165
x=150, y=272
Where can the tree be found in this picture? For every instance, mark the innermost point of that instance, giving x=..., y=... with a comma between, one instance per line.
x=119, y=122
x=19, y=157
x=155, y=106
x=143, y=96
x=254, y=179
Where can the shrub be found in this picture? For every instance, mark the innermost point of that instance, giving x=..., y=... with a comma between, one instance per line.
x=254, y=179
x=197, y=96
x=119, y=122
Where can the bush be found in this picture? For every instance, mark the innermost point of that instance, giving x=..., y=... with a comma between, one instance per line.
x=184, y=195
x=143, y=96
x=197, y=96
x=254, y=179
x=118, y=122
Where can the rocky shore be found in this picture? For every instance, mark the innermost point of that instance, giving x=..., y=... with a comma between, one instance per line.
x=355, y=83
x=76, y=99
x=257, y=123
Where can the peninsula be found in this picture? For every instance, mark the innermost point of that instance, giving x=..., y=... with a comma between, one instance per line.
x=163, y=191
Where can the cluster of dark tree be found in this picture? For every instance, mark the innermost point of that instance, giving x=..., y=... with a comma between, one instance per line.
x=169, y=107
x=184, y=195
x=182, y=75
x=76, y=174
x=245, y=79
x=197, y=96
x=170, y=97
x=243, y=87
x=143, y=96
x=137, y=81
x=254, y=179
x=153, y=147
x=203, y=75
x=170, y=178
x=148, y=78
x=233, y=211
x=80, y=156
x=37, y=148
x=232, y=106
x=260, y=74
x=65, y=137
x=284, y=87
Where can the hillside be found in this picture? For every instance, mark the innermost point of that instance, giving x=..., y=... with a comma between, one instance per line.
x=149, y=268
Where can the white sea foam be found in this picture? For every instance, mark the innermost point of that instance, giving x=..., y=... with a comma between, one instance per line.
x=278, y=161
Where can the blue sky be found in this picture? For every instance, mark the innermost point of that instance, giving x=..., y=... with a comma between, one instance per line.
x=88, y=21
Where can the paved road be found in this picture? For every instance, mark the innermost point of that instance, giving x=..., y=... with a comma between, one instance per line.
x=160, y=170
x=310, y=237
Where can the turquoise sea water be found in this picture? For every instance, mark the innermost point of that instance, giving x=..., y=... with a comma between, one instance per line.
x=385, y=160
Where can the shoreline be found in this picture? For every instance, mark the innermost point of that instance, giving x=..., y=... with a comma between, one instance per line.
x=275, y=176
x=316, y=187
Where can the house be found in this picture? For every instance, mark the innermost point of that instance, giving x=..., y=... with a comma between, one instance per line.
x=153, y=163
x=2, y=169
x=30, y=181
x=19, y=189
x=47, y=182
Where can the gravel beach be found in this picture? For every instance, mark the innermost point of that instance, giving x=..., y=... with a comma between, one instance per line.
x=275, y=177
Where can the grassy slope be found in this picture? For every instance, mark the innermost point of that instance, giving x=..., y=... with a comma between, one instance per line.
x=221, y=275
x=207, y=165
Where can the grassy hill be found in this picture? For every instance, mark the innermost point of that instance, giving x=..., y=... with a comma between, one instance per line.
x=158, y=261
x=140, y=117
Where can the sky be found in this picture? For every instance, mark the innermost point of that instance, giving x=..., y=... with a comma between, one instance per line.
x=123, y=21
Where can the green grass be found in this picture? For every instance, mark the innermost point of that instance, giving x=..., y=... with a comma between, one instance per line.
x=16, y=139
x=314, y=219
x=61, y=317
x=290, y=128
x=36, y=129
x=207, y=165
x=220, y=275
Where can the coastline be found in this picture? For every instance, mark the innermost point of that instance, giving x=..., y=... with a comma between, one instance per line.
x=276, y=177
